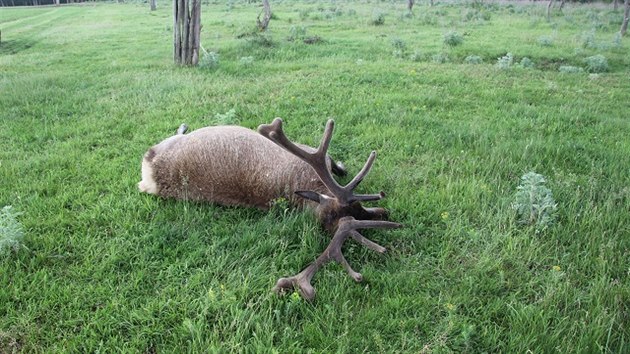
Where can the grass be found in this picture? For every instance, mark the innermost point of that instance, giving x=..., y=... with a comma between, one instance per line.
x=85, y=90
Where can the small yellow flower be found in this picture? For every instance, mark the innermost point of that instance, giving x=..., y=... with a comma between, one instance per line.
x=222, y=287
x=413, y=72
x=295, y=296
x=556, y=268
x=450, y=306
x=444, y=215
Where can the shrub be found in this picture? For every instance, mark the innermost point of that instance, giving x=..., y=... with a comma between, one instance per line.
x=11, y=234
x=588, y=39
x=473, y=59
x=209, y=60
x=399, y=47
x=506, y=61
x=453, y=39
x=297, y=33
x=246, y=61
x=416, y=56
x=534, y=203
x=440, y=58
x=545, y=41
x=568, y=69
x=526, y=63
x=378, y=18
x=596, y=64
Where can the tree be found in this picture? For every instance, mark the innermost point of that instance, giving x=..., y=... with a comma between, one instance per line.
x=153, y=5
x=186, y=31
x=262, y=25
x=549, y=6
x=615, y=4
x=410, y=5
x=626, y=15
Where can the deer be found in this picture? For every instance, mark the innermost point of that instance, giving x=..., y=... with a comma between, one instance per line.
x=233, y=165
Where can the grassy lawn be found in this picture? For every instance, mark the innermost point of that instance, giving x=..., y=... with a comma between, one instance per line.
x=86, y=90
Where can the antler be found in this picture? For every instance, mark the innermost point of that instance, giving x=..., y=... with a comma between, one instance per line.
x=347, y=227
x=317, y=160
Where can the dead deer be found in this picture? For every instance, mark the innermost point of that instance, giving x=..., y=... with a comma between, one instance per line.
x=232, y=165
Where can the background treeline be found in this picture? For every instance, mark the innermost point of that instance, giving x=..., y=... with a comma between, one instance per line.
x=52, y=2
x=37, y=2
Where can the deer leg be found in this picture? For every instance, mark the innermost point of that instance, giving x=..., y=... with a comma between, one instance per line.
x=338, y=168
x=182, y=129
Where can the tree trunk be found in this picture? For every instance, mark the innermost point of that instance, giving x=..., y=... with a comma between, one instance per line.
x=561, y=5
x=615, y=4
x=549, y=6
x=56, y=2
x=431, y=3
x=153, y=5
x=626, y=15
x=410, y=5
x=262, y=25
x=186, y=31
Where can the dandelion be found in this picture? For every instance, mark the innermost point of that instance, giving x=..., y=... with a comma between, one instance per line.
x=444, y=215
x=450, y=306
x=556, y=268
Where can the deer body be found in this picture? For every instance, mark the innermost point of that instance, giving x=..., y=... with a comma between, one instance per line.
x=227, y=165
x=232, y=165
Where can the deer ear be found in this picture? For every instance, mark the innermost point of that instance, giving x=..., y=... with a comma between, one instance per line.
x=316, y=197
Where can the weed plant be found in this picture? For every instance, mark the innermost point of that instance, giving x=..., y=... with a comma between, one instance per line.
x=596, y=64
x=453, y=39
x=473, y=59
x=11, y=233
x=534, y=203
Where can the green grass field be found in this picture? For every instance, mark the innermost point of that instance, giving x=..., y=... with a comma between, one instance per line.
x=86, y=90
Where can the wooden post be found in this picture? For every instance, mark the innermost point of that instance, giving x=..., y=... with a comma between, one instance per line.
x=626, y=15
x=262, y=25
x=186, y=31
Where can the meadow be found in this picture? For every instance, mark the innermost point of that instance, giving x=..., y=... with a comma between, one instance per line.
x=444, y=95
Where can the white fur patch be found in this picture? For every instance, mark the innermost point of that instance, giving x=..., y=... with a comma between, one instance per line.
x=147, y=184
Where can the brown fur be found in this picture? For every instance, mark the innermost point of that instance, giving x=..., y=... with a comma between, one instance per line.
x=229, y=165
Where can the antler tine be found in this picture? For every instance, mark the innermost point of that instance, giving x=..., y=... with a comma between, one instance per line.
x=323, y=145
x=316, y=160
x=347, y=228
x=364, y=171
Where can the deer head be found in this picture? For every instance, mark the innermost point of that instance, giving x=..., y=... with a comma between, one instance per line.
x=339, y=210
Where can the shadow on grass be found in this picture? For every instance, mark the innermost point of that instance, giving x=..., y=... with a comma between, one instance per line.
x=15, y=45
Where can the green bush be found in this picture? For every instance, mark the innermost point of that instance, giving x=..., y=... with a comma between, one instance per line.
x=473, y=59
x=209, y=60
x=545, y=41
x=534, y=203
x=506, y=61
x=11, y=234
x=453, y=39
x=596, y=64
x=378, y=18
x=526, y=63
